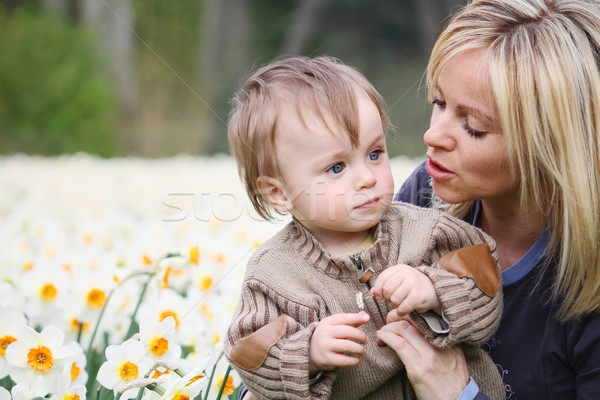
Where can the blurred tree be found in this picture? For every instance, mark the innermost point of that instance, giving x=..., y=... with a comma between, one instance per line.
x=175, y=65
x=54, y=97
x=113, y=20
x=305, y=18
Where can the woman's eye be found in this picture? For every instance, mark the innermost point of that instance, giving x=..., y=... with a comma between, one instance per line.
x=336, y=168
x=473, y=133
x=438, y=103
x=374, y=155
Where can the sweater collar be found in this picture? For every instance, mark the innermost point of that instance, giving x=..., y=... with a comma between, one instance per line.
x=374, y=256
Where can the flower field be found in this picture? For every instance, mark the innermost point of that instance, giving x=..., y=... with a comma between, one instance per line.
x=118, y=277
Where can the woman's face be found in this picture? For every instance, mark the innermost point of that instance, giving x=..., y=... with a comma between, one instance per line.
x=467, y=154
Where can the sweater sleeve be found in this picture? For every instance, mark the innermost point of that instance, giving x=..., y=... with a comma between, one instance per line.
x=269, y=348
x=467, y=282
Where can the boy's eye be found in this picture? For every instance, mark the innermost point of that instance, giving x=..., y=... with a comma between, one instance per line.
x=336, y=168
x=374, y=155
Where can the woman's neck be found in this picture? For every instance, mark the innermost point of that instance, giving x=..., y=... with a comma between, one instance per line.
x=514, y=230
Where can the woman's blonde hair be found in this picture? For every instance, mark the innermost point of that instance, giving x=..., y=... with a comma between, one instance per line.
x=321, y=86
x=544, y=58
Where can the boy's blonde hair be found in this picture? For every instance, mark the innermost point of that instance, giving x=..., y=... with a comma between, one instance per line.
x=544, y=68
x=320, y=86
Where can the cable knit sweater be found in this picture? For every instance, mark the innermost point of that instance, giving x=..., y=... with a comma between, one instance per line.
x=292, y=283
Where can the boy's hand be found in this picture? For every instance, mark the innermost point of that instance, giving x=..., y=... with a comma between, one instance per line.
x=337, y=342
x=407, y=289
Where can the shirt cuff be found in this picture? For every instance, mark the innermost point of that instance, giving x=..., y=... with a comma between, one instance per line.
x=438, y=324
x=470, y=392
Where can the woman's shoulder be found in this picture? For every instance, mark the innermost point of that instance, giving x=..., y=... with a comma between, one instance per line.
x=416, y=189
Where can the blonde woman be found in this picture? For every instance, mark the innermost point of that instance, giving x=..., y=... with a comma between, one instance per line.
x=514, y=148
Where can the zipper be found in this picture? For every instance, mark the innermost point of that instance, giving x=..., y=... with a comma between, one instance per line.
x=363, y=275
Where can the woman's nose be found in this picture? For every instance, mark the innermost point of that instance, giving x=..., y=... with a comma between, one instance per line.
x=439, y=134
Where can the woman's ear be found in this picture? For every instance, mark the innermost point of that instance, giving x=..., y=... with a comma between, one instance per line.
x=273, y=191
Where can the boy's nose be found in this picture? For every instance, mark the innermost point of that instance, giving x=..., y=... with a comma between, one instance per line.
x=365, y=178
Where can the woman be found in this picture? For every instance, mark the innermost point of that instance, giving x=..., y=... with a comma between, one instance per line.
x=514, y=148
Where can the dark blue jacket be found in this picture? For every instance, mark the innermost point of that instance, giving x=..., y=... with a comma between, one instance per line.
x=538, y=356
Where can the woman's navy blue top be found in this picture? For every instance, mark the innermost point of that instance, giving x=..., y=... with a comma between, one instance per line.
x=538, y=356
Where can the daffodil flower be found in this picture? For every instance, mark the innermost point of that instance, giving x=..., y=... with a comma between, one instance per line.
x=39, y=354
x=159, y=339
x=124, y=364
x=186, y=387
x=10, y=325
x=22, y=390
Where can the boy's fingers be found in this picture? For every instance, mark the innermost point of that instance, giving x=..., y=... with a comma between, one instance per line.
x=377, y=289
x=351, y=319
x=348, y=347
x=349, y=332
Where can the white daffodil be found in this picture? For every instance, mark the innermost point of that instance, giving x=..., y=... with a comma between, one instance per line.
x=11, y=299
x=45, y=287
x=173, y=272
x=4, y=394
x=187, y=387
x=67, y=389
x=77, y=369
x=162, y=303
x=11, y=324
x=159, y=339
x=125, y=364
x=22, y=390
x=38, y=354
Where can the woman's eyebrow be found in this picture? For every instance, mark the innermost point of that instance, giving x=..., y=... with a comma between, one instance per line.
x=470, y=110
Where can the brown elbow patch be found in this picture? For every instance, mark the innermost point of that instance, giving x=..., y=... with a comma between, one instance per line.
x=475, y=262
x=250, y=352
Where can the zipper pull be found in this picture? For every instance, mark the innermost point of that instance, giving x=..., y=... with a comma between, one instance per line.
x=362, y=274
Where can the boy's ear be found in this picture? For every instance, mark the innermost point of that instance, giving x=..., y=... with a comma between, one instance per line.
x=273, y=191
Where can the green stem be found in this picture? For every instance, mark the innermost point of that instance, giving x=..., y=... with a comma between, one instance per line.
x=156, y=388
x=132, y=324
x=79, y=331
x=222, y=388
x=210, y=381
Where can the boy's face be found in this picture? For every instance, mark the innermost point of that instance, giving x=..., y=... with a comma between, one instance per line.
x=338, y=192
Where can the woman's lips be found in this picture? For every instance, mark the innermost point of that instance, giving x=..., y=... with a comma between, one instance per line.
x=436, y=170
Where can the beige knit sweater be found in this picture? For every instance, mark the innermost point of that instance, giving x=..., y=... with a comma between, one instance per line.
x=292, y=283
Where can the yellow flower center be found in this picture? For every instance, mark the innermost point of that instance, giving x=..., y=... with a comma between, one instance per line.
x=159, y=346
x=194, y=254
x=48, y=292
x=205, y=310
x=75, y=370
x=4, y=342
x=206, y=283
x=71, y=397
x=165, y=314
x=194, y=379
x=96, y=298
x=75, y=325
x=165, y=280
x=146, y=260
x=128, y=371
x=40, y=358
x=179, y=396
x=229, y=388
x=158, y=373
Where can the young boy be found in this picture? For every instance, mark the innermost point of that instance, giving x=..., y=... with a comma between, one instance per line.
x=308, y=137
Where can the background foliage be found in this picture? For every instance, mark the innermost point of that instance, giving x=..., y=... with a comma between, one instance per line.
x=153, y=77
